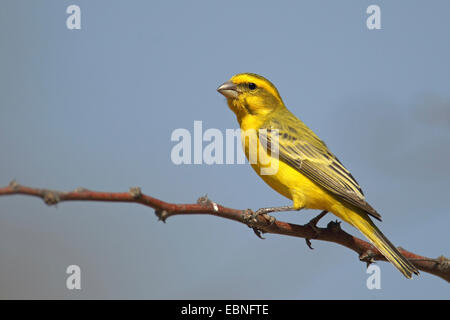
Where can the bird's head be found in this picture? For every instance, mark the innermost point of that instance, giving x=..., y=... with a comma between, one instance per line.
x=251, y=94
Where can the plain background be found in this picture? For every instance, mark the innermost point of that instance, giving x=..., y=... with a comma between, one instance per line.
x=96, y=108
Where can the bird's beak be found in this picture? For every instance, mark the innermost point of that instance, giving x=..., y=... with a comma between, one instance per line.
x=229, y=90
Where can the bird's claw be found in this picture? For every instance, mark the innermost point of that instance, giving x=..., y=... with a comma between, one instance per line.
x=308, y=243
x=258, y=232
x=247, y=216
x=250, y=218
x=270, y=218
x=313, y=225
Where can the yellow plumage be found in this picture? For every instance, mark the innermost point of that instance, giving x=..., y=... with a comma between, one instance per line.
x=307, y=172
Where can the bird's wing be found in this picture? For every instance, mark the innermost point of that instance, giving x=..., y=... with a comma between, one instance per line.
x=300, y=148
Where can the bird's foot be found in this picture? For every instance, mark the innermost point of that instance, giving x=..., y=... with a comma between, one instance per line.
x=313, y=222
x=313, y=225
x=250, y=218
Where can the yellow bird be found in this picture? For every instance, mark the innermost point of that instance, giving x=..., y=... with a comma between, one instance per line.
x=307, y=172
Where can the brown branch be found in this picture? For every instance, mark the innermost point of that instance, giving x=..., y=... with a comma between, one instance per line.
x=333, y=233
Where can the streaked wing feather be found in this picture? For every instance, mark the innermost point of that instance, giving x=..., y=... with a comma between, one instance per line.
x=300, y=148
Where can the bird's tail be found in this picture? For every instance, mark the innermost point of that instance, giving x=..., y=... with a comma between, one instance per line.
x=364, y=224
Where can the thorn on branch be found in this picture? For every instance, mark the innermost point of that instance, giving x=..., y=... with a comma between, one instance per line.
x=13, y=185
x=204, y=200
x=162, y=214
x=136, y=192
x=51, y=197
x=81, y=189
x=334, y=226
x=367, y=257
x=444, y=263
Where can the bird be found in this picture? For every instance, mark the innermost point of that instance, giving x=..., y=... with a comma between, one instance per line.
x=308, y=173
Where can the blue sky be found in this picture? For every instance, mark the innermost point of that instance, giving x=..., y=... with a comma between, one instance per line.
x=96, y=108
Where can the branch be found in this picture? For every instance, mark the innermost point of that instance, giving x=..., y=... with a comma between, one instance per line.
x=332, y=232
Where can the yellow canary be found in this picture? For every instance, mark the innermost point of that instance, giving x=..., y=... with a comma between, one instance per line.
x=308, y=173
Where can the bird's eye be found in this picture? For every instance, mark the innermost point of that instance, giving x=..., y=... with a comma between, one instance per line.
x=252, y=86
